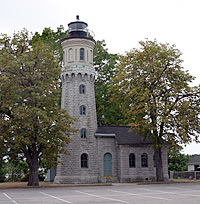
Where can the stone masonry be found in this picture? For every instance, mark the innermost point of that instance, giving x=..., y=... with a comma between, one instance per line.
x=78, y=72
x=96, y=154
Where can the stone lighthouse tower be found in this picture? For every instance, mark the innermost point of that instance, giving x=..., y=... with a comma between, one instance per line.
x=80, y=166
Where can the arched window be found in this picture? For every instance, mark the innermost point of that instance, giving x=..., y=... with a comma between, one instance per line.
x=82, y=110
x=70, y=55
x=84, y=160
x=154, y=161
x=107, y=164
x=64, y=57
x=76, y=54
x=82, y=54
x=91, y=78
x=144, y=160
x=87, y=56
x=83, y=133
x=91, y=56
x=82, y=89
x=131, y=160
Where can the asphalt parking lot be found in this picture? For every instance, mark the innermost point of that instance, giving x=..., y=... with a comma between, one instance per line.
x=183, y=193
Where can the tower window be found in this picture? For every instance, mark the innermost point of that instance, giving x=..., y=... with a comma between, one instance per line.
x=82, y=54
x=87, y=56
x=70, y=55
x=84, y=160
x=82, y=110
x=63, y=57
x=154, y=161
x=91, y=56
x=83, y=133
x=131, y=160
x=82, y=89
x=144, y=160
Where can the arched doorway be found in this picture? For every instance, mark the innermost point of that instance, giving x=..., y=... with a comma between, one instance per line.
x=107, y=164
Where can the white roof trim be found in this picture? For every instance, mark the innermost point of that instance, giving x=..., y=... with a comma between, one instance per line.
x=104, y=135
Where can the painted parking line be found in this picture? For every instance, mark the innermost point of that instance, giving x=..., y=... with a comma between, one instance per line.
x=140, y=195
x=65, y=201
x=10, y=198
x=102, y=197
x=173, y=193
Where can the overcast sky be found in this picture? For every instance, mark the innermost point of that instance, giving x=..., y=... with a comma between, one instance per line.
x=121, y=23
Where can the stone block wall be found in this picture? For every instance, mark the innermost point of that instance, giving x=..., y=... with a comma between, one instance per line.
x=107, y=145
x=139, y=173
x=69, y=169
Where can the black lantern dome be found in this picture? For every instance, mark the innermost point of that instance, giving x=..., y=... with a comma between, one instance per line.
x=77, y=29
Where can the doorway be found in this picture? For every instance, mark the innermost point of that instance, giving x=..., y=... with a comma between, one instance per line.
x=107, y=164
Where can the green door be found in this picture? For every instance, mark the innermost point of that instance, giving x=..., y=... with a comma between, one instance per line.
x=107, y=164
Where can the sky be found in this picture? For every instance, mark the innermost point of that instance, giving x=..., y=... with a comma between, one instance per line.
x=121, y=23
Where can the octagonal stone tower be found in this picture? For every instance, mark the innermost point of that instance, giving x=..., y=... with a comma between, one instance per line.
x=78, y=97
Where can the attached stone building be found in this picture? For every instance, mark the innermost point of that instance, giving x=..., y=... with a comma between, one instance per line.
x=97, y=154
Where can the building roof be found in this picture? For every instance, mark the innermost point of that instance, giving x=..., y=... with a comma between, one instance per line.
x=123, y=134
x=195, y=159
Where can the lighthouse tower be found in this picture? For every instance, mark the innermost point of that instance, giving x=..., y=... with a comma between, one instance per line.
x=80, y=165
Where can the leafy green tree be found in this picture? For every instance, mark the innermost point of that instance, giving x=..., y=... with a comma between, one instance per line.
x=52, y=39
x=31, y=122
x=104, y=63
x=155, y=95
x=176, y=160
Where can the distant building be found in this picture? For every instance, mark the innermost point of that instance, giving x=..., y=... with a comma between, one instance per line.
x=194, y=163
x=97, y=154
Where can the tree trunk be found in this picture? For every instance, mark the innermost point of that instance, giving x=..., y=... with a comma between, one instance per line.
x=33, y=170
x=159, y=165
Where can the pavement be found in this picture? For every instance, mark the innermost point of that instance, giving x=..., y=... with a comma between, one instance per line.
x=23, y=185
x=170, y=193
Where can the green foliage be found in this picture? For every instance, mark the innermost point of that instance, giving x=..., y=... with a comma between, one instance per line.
x=176, y=160
x=155, y=96
x=52, y=39
x=31, y=122
x=104, y=63
x=17, y=170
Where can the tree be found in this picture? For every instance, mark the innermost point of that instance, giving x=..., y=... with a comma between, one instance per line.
x=31, y=122
x=104, y=63
x=155, y=95
x=176, y=160
x=52, y=39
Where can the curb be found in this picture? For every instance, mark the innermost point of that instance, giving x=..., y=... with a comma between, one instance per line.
x=55, y=186
x=93, y=185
